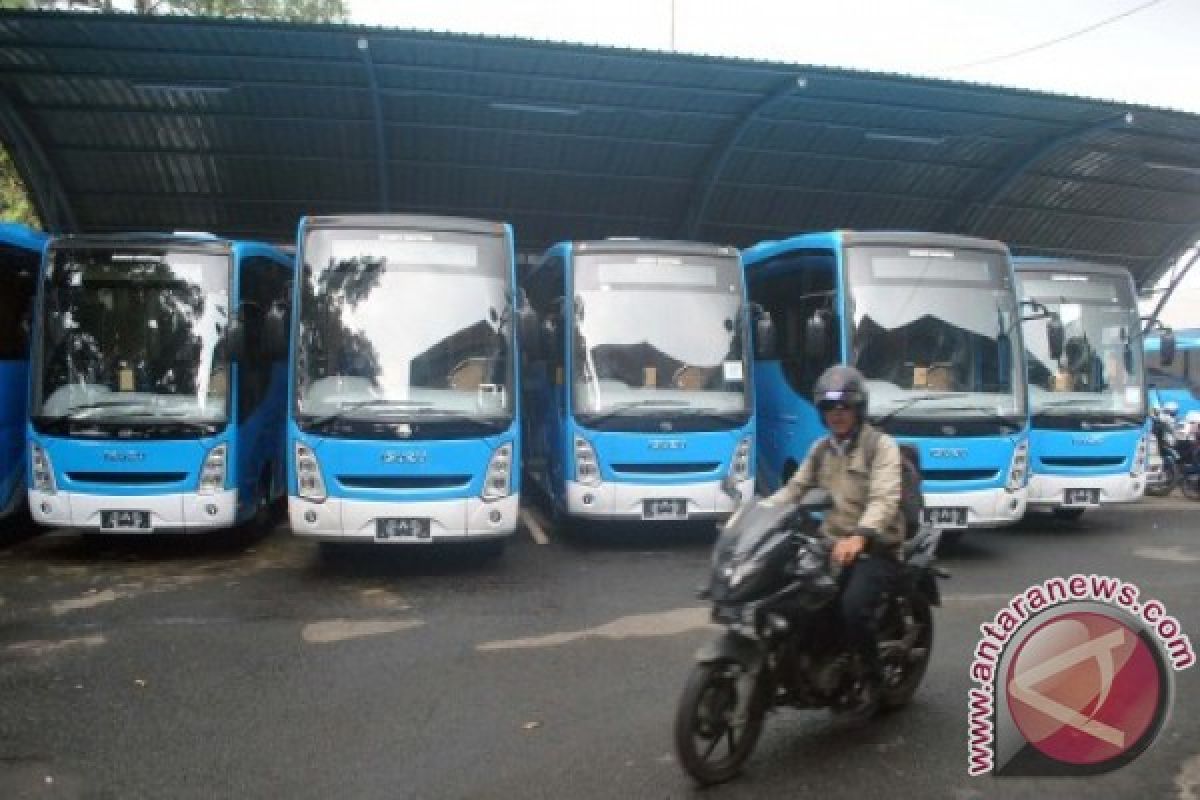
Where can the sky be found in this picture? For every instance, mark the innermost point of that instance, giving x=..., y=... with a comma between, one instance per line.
x=1147, y=57
x=1133, y=51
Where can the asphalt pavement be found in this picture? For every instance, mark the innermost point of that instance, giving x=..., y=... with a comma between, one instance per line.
x=249, y=666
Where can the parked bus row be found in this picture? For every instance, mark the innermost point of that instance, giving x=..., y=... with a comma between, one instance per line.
x=397, y=379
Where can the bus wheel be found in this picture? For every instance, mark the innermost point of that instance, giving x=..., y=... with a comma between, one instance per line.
x=1068, y=514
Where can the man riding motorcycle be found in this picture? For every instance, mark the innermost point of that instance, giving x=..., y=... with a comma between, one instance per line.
x=861, y=468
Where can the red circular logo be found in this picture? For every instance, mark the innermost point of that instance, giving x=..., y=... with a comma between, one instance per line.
x=1084, y=688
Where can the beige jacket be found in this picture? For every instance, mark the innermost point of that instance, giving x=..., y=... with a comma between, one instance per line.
x=864, y=502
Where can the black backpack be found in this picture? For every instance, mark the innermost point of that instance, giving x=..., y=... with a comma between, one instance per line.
x=912, y=500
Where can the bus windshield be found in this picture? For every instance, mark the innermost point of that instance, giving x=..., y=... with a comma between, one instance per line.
x=402, y=324
x=658, y=333
x=936, y=332
x=132, y=334
x=1100, y=368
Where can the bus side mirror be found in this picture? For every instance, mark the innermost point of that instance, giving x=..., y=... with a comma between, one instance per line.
x=764, y=334
x=235, y=340
x=816, y=336
x=275, y=333
x=1166, y=347
x=1054, y=336
x=528, y=330
x=551, y=338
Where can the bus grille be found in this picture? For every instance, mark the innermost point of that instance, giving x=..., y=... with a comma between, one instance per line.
x=404, y=481
x=959, y=474
x=1082, y=461
x=667, y=469
x=134, y=478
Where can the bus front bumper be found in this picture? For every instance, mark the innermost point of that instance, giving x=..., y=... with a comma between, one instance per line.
x=707, y=500
x=985, y=508
x=1048, y=492
x=185, y=512
x=461, y=519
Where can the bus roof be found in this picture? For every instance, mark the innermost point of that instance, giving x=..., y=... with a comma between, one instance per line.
x=22, y=236
x=833, y=240
x=417, y=222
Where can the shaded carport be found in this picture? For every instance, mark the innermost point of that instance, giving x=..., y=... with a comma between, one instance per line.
x=134, y=122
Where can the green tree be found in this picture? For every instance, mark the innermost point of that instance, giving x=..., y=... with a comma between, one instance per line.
x=14, y=200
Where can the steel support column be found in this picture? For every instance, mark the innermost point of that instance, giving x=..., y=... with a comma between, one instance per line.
x=693, y=216
x=381, y=155
x=32, y=164
x=967, y=215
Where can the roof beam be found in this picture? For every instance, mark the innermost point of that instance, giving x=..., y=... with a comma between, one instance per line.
x=384, y=183
x=710, y=173
x=972, y=210
x=35, y=169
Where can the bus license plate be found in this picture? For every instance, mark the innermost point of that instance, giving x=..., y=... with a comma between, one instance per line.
x=125, y=520
x=946, y=517
x=664, y=509
x=1081, y=497
x=404, y=529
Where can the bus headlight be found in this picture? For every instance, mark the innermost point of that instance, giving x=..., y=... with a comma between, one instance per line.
x=1139, y=459
x=43, y=472
x=308, y=474
x=739, y=470
x=212, y=472
x=1018, y=470
x=498, y=481
x=587, y=467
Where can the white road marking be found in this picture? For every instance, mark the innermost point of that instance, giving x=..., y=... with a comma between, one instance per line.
x=43, y=647
x=662, y=623
x=337, y=630
x=533, y=524
x=90, y=600
x=1176, y=554
x=1188, y=779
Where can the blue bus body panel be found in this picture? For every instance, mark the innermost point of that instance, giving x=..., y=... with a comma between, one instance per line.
x=14, y=378
x=1186, y=397
x=14, y=391
x=956, y=464
x=108, y=466
x=1083, y=453
x=401, y=470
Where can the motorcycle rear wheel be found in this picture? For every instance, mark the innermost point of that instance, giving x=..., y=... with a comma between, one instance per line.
x=704, y=724
x=899, y=692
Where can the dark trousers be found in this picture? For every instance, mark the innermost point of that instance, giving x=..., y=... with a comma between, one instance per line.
x=863, y=584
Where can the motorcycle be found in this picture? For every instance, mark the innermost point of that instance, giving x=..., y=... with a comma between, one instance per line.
x=774, y=590
x=1162, y=422
x=1179, y=450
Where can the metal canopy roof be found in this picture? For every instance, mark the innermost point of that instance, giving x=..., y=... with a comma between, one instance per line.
x=134, y=122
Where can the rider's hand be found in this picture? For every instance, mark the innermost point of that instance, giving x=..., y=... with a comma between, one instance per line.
x=848, y=548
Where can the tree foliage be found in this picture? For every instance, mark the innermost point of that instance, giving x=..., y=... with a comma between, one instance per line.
x=14, y=201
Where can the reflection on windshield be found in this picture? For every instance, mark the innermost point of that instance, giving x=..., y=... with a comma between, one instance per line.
x=655, y=333
x=1100, y=368
x=134, y=335
x=404, y=325
x=935, y=331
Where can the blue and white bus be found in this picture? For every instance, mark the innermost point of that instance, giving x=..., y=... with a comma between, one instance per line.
x=1087, y=391
x=404, y=421
x=20, y=257
x=157, y=404
x=1179, y=380
x=932, y=322
x=639, y=397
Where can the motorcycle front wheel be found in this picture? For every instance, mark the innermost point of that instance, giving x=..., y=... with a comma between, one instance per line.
x=711, y=743
x=1163, y=487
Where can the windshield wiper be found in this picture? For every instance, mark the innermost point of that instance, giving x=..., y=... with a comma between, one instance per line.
x=1088, y=402
x=193, y=424
x=345, y=409
x=617, y=409
x=984, y=411
x=723, y=414
x=909, y=402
